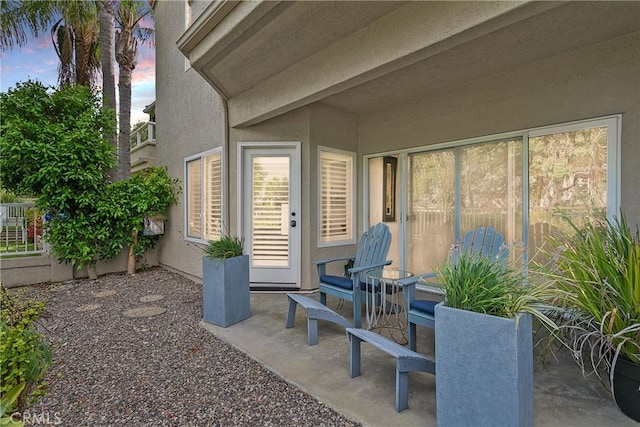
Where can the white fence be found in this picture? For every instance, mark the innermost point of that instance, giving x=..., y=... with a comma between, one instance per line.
x=20, y=229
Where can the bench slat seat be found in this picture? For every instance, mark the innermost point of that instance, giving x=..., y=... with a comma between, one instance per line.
x=406, y=361
x=315, y=311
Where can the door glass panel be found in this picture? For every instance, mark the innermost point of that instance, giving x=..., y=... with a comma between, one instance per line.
x=431, y=209
x=567, y=176
x=491, y=190
x=270, y=217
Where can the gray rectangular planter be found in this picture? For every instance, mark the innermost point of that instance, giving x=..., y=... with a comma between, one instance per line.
x=225, y=290
x=484, y=369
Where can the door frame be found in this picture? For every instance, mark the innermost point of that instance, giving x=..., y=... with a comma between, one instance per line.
x=296, y=177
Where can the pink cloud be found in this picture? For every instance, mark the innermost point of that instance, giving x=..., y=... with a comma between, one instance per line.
x=45, y=42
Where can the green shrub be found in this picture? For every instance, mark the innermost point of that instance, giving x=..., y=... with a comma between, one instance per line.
x=7, y=196
x=8, y=406
x=24, y=353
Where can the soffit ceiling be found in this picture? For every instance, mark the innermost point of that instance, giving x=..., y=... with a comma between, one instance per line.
x=297, y=30
x=560, y=30
x=301, y=29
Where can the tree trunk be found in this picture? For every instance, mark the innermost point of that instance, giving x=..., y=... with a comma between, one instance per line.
x=91, y=271
x=126, y=48
x=107, y=57
x=131, y=261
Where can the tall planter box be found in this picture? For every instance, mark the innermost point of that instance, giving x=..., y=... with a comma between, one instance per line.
x=484, y=369
x=225, y=290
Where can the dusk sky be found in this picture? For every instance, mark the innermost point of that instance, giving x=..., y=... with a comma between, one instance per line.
x=38, y=61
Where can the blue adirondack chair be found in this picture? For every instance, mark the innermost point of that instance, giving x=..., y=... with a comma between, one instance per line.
x=482, y=241
x=371, y=254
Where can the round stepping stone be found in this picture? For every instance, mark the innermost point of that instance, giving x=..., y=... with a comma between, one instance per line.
x=151, y=298
x=146, y=311
x=88, y=307
x=103, y=294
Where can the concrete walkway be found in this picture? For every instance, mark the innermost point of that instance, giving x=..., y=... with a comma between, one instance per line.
x=562, y=396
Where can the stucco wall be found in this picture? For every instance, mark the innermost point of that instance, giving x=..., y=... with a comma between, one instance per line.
x=596, y=81
x=189, y=120
x=311, y=126
x=592, y=82
x=43, y=268
x=333, y=128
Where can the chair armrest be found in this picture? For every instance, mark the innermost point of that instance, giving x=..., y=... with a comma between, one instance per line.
x=410, y=284
x=321, y=265
x=368, y=267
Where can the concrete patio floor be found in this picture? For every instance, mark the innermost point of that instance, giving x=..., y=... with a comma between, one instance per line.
x=562, y=396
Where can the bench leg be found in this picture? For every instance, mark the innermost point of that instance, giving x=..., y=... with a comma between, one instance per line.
x=291, y=314
x=354, y=358
x=312, y=330
x=412, y=336
x=402, y=390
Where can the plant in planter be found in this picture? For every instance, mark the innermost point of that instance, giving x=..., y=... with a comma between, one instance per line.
x=484, y=343
x=225, y=281
x=597, y=274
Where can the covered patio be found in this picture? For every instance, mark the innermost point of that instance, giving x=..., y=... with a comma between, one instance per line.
x=562, y=396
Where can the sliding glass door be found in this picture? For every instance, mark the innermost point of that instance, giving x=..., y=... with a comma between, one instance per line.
x=525, y=185
x=458, y=189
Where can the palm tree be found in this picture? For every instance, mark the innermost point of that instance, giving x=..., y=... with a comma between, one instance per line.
x=74, y=32
x=130, y=14
x=129, y=32
x=17, y=17
x=106, y=15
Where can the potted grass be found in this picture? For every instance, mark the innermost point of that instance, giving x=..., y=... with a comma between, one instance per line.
x=484, y=343
x=597, y=274
x=225, y=281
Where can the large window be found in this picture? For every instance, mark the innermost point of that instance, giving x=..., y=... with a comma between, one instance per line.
x=525, y=185
x=203, y=195
x=336, y=197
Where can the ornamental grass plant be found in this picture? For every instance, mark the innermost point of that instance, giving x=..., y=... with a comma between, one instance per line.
x=227, y=246
x=596, y=273
x=487, y=285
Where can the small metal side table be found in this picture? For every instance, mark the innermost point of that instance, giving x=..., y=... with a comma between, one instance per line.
x=384, y=303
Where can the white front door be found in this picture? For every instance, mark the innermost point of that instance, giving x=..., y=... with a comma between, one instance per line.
x=270, y=213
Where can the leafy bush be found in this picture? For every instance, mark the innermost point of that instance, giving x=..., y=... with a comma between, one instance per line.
x=8, y=406
x=597, y=275
x=7, y=196
x=56, y=145
x=226, y=246
x=24, y=354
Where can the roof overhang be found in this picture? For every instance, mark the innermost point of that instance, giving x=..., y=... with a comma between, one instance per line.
x=269, y=57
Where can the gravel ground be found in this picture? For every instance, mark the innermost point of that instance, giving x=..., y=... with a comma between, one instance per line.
x=110, y=369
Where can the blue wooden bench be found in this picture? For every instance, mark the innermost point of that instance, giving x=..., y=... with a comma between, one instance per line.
x=406, y=361
x=315, y=311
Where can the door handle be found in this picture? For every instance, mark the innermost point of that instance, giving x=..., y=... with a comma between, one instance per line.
x=293, y=223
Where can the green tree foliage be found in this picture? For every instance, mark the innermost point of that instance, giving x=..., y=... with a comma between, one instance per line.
x=125, y=204
x=55, y=144
x=24, y=353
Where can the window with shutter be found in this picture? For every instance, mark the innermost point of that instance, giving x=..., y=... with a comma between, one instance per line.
x=204, y=195
x=337, y=197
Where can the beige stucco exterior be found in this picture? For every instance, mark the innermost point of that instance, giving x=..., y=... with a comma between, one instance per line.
x=378, y=77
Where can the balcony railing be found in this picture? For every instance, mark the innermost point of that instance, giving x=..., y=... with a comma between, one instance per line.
x=20, y=229
x=143, y=133
x=143, y=146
